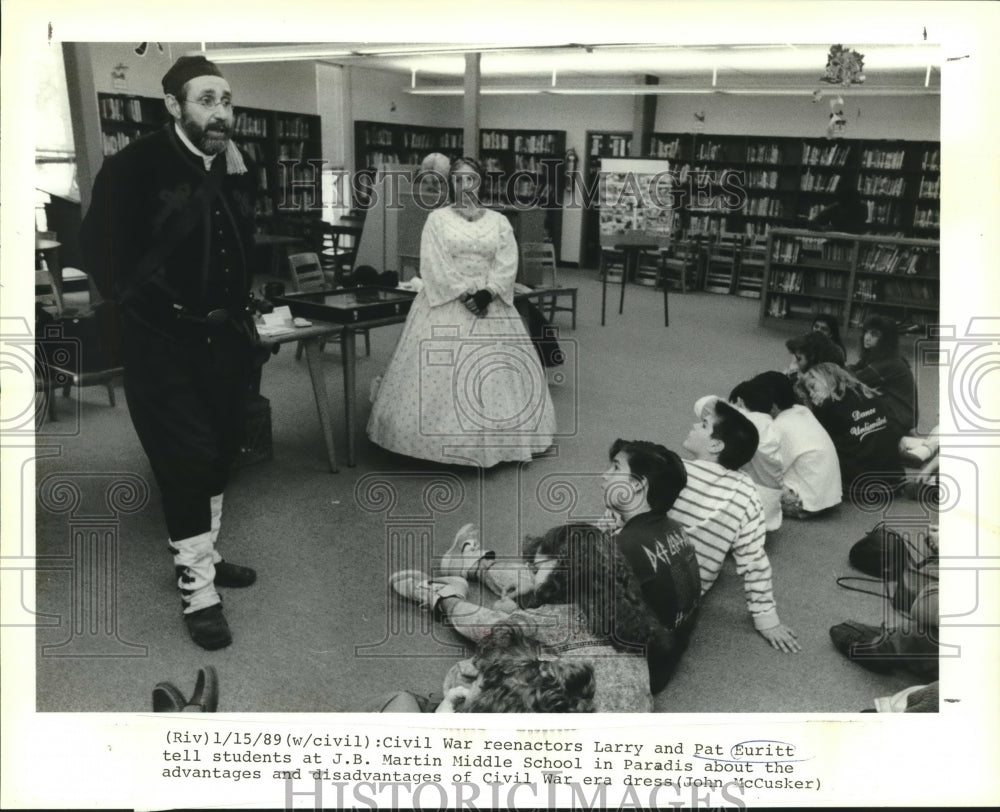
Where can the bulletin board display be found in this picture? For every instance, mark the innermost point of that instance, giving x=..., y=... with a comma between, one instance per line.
x=635, y=202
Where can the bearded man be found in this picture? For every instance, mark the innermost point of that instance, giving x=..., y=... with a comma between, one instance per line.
x=169, y=235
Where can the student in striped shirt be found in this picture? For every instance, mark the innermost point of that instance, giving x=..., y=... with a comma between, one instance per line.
x=722, y=512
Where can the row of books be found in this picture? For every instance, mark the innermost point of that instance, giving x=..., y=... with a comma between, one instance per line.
x=429, y=141
x=249, y=124
x=706, y=224
x=116, y=141
x=763, y=154
x=756, y=228
x=765, y=207
x=836, y=253
x=784, y=307
x=378, y=137
x=927, y=218
x=867, y=290
x=522, y=143
x=834, y=155
x=618, y=145
x=916, y=292
x=297, y=127
x=664, y=149
x=762, y=179
x=785, y=250
x=931, y=160
x=788, y=281
x=930, y=188
x=883, y=185
x=891, y=259
x=709, y=152
x=882, y=159
x=883, y=212
x=813, y=182
x=118, y=109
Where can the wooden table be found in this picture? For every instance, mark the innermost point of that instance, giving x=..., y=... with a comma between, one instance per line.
x=312, y=338
x=631, y=252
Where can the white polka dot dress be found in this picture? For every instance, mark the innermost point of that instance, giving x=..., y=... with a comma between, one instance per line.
x=460, y=388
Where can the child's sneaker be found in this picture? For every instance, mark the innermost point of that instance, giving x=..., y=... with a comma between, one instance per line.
x=416, y=586
x=462, y=558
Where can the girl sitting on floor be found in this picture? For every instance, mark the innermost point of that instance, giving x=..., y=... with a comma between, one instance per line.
x=858, y=423
x=881, y=367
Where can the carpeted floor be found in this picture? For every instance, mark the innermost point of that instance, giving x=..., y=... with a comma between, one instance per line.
x=320, y=632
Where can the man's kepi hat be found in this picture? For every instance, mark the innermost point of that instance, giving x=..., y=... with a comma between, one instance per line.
x=185, y=69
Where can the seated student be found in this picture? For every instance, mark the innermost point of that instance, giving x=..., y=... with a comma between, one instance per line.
x=812, y=348
x=585, y=604
x=808, y=350
x=766, y=466
x=641, y=485
x=858, y=424
x=721, y=511
x=514, y=674
x=811, y=470
x=881, y=367
x=828, y=325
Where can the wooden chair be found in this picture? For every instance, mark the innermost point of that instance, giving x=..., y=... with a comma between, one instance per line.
x=307, y=276
x=538, y=264
x=77, y=363
x=750, y=268
x=538, y=270
x=682, y=262
x=721, y=262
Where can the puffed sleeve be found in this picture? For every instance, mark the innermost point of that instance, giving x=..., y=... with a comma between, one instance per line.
x=442, y=281
x=500, y=279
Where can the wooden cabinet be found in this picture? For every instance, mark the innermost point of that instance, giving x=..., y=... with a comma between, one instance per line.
x=850, y=277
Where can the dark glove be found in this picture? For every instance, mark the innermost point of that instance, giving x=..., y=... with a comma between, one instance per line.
x=482, y=298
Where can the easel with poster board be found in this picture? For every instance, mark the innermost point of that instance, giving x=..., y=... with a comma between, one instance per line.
x=636, y=215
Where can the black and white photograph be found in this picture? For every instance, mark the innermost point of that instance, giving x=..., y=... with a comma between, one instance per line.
x=614, y=360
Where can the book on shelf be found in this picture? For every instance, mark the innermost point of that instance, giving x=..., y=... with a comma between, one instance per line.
x=931, y=160
x=884, y=185
x=882, y=159
x=249, y=124
x=819, y=181
x=763, y=154
x=833, y=155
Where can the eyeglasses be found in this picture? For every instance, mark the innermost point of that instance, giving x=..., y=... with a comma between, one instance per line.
x=210, y=103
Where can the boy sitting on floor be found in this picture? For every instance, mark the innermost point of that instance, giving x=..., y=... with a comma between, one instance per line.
x=721, y=511
x=640, y=486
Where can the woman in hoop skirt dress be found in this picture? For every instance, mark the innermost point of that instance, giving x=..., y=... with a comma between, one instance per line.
x=465, y=385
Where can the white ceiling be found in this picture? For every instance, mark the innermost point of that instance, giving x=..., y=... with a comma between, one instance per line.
x=727, y=65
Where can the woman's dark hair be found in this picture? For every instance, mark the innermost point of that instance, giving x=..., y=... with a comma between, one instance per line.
x=663, y=470
x=887, y=345
x=519, y=675
x=816, y=348
x=591, y=573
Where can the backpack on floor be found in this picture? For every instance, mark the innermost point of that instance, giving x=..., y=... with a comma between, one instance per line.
x=902, y=567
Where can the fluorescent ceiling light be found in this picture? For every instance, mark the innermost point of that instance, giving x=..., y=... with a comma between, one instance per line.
x=661, y=90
